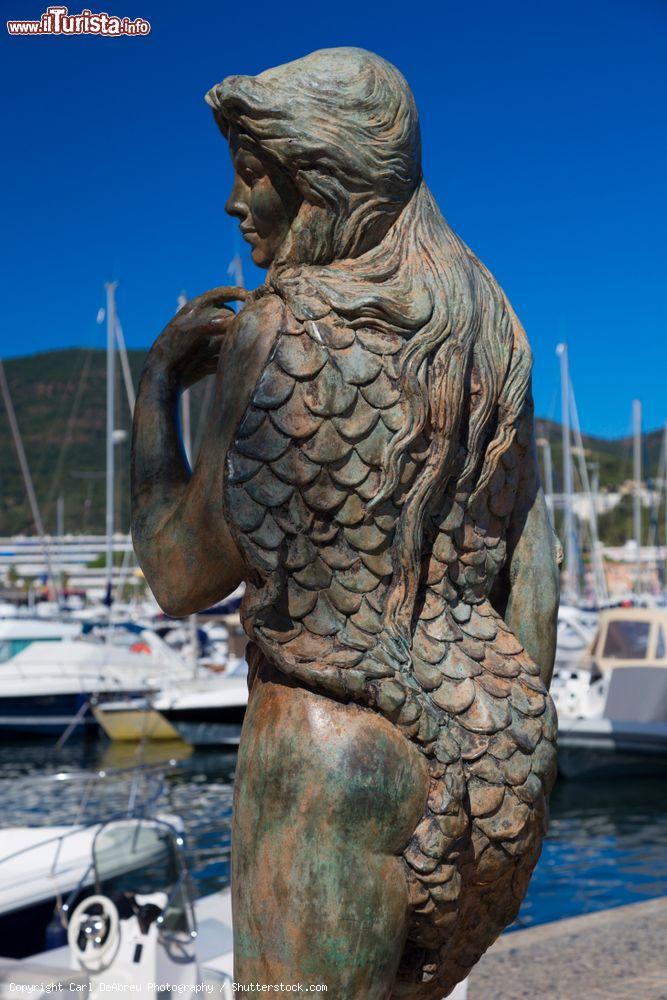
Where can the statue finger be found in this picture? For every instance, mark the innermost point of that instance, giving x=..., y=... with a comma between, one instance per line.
x=223, y=294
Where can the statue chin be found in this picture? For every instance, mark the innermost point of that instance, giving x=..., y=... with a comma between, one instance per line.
x=261, y=258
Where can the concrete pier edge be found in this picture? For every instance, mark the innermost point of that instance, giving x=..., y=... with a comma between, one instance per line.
x=614, y=954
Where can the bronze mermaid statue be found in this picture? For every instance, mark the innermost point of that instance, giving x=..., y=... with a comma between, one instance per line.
x=369, y=472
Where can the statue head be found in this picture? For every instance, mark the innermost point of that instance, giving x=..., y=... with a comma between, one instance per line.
x=326, y=152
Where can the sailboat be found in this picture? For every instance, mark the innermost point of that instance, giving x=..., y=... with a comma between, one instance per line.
x=577, y=617
x=612, y=699
x=52, y=676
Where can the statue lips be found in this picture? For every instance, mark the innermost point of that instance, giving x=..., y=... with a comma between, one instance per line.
x=249, y=234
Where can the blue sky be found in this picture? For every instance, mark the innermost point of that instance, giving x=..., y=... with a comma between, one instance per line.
x=544, y=141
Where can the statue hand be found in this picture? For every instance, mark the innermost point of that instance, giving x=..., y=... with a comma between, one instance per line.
x=189, y=346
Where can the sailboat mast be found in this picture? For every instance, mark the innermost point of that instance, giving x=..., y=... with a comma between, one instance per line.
x=27, y=478
x=548, y=475
x=570, y=571
x=600, y=581
x=111, y=382
x=637, y=476
x=125, y=366
x=60, y=516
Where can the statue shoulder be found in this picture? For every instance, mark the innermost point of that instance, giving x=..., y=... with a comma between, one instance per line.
x=260, y=313
x=252, y=336
x=249, y=342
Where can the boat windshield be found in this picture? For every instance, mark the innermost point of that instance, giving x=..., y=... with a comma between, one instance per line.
x=134, y=857
x=12, y=647
x=627, y=640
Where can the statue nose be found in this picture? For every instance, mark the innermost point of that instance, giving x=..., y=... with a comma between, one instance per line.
x=235, y=208
x=236, y=204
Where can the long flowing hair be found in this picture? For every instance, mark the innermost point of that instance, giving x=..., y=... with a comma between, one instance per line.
x=369, y=243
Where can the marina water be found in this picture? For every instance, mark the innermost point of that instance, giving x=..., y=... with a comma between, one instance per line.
x=607, y=842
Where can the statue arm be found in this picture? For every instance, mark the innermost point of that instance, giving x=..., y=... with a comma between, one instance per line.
x=182, y=542
x=528, y=592
x=178, y=529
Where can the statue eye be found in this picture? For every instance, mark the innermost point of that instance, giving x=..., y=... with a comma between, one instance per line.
x=250, y=173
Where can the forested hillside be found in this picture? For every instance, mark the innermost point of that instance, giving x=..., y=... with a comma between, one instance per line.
x=60, y=403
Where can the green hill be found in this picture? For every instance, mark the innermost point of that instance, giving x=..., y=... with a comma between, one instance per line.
x=613, y=457
x=60, y=403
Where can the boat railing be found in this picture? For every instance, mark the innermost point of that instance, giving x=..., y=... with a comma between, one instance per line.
x=57, y=839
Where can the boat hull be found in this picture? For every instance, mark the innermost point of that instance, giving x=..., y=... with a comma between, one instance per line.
x=134, y=725
x=602, y=748
x=32, y=929
x=220, y=726
x=47, y=715
x=198, y=726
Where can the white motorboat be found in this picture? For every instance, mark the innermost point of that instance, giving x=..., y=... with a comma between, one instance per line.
x=131, y=922
x=140, y=929
x=210, y=709
x=50, y=686
x=45, y=869
x=207, y=710
x=130, y=919
x=612, y=708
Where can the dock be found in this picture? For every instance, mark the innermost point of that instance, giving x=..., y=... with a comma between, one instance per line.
x=616, y=954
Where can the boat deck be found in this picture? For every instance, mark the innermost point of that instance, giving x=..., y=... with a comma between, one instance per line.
x=617, y=954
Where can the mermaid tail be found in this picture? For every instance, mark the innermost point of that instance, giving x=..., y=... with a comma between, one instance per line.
x=308, y=459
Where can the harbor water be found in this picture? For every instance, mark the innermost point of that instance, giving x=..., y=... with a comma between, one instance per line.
x=607, y=842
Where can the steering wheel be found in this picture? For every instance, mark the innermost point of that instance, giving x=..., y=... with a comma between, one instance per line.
x=93, y=933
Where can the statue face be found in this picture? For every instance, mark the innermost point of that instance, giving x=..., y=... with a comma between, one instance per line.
x=264, y=202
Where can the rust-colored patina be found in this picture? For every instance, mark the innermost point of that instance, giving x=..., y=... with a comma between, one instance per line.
x=369, y=471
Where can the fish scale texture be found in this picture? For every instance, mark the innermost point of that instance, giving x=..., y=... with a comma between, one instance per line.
x=307, y=458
